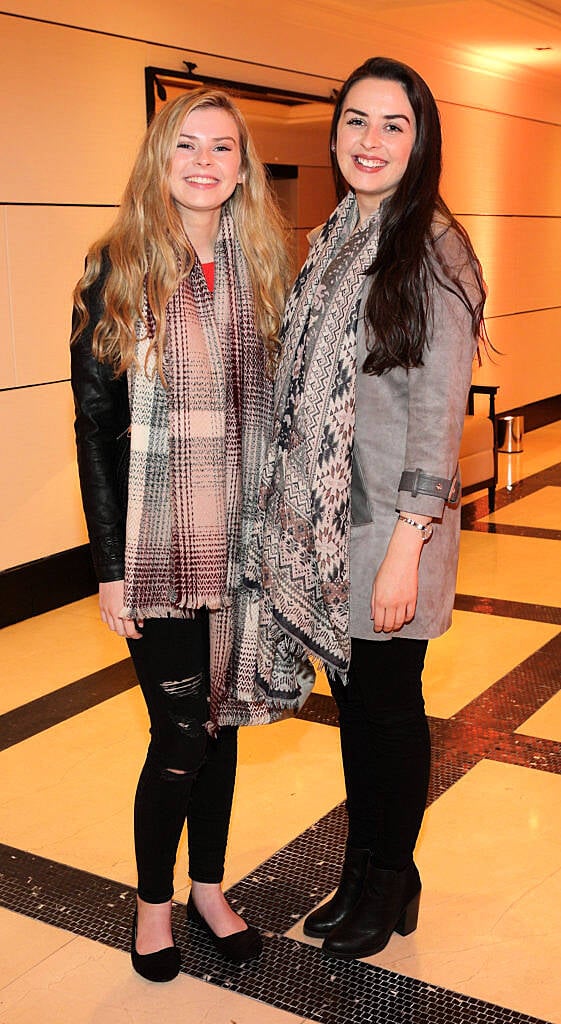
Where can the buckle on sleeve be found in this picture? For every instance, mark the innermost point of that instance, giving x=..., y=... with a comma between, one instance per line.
x=416, y=482
x=455, y=488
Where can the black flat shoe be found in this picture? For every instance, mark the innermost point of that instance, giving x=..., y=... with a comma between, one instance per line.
x=238, y=947
x=163, y=965
x=389, y=903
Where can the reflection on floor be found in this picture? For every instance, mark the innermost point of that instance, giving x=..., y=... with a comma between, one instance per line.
x=488, y=947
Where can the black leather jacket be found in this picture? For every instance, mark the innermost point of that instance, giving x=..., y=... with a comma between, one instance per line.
x=102, y=437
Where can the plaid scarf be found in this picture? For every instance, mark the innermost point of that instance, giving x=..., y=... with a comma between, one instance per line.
x=300, y=560
x=197, y=451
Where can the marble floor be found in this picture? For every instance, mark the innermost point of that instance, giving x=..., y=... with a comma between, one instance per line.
x=488, y=947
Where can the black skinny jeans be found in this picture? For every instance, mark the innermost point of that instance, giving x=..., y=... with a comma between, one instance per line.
x=385, y=744
x=187, y=775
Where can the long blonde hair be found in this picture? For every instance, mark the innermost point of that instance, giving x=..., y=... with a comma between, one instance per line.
x=147, y=240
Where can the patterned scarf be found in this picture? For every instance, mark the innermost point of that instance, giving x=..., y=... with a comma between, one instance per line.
x=197, y=450
x=299, y=562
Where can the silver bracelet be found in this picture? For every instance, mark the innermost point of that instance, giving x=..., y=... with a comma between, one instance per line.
x=425, y=529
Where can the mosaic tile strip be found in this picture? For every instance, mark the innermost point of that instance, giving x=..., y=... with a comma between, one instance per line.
x=291, y=975
x=319, y=708
x=509, y=609
x=454, y=752
x=53, y=708
x=511, y=700
x=528, y=752
x=450, y=763
x=296, y=878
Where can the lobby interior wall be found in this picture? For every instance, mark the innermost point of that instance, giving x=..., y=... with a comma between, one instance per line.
x=74, y=113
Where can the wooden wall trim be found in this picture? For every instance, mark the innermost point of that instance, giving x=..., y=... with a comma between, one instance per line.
x=47, y=583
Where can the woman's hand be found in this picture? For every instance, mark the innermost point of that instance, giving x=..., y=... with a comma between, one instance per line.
x=111, y=601
x=394, y=593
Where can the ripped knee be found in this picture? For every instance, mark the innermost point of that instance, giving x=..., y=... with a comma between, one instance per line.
x=187, y=708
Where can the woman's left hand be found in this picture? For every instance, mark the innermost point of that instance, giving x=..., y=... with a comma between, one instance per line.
x=394, y=593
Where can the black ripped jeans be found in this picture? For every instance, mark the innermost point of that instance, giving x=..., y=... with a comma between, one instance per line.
x=385, y=743
x=188, y=775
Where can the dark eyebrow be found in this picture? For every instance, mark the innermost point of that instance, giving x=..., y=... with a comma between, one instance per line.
x=387, y=117
x=219, y=138
x=396, y=117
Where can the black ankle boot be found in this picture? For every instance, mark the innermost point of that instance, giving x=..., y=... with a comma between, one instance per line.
x=320, y=922
x=389, y=902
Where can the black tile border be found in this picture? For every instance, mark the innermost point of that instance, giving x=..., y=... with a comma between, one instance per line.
x=291, y=975
x=58, y=706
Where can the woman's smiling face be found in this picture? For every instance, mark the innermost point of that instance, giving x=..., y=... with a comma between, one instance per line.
x=206, y=165
x=375, y=136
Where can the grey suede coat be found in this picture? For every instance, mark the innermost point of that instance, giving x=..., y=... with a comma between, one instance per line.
x=408, y=420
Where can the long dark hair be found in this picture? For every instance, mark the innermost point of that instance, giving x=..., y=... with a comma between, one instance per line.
x=398, y=309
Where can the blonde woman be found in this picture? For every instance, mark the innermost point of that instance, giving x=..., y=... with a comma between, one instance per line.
x=175, y=340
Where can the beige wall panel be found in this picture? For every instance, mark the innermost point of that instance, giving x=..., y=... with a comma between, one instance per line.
x=290, y=135
x=521, y=258
x=496, y=164
x=40, y=509
x=46, y=246
x=76, y=116
x=316, y=195
x=74, y=139
x=528, y=367
x=7, y=359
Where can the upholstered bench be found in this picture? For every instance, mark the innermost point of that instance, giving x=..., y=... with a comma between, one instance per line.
x=478, y=450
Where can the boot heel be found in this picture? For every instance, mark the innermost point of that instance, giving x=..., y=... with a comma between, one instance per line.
x=408, y=920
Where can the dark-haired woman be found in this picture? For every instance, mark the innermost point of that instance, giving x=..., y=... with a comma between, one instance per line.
x=360, y=502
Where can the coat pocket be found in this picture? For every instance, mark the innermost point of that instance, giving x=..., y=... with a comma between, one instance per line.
x=361, y=509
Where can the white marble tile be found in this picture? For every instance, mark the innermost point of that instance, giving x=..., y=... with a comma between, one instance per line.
x=510, y=568
x=542, y=510
x=79, y=808
x=87, y=983
x=545, y=723
x=25, y=943
x=289, y=775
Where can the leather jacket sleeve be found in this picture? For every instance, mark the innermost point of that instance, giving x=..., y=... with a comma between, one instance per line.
x=102, y=438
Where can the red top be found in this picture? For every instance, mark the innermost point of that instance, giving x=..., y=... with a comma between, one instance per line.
x=208, y=271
